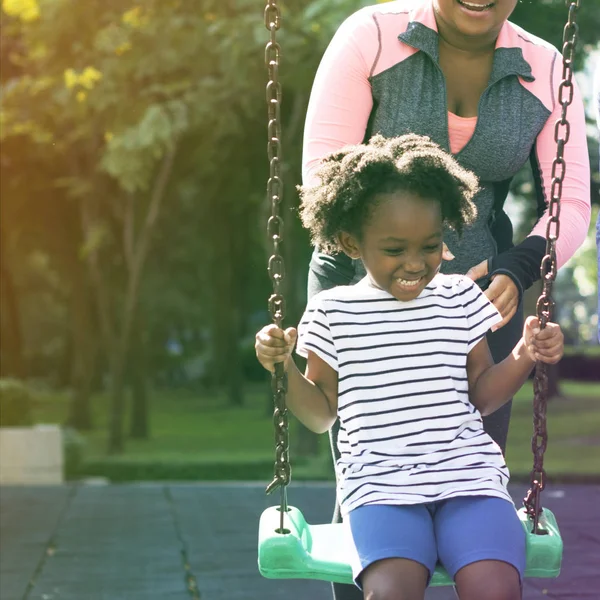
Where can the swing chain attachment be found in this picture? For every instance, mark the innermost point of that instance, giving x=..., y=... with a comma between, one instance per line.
x=282, y=469
x=545, y=304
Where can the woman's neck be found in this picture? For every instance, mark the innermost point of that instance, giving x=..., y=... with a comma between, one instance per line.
x=464, y=47
x=467, y=46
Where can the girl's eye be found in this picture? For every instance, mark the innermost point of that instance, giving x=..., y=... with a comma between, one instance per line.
x=393, y=251
x=432, y=248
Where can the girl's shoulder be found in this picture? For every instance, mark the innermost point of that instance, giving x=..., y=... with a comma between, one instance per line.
x=362, y=290
x=452, y=285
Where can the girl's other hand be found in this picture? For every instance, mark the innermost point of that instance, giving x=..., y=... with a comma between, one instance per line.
x=545, y=345
x=273, y=345
x=502, y=292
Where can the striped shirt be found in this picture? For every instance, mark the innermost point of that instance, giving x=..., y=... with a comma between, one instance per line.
x=408, y=433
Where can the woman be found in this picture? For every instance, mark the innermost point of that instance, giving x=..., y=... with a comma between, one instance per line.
x=483, y=89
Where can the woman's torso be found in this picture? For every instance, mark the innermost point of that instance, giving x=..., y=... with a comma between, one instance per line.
x=410, y=94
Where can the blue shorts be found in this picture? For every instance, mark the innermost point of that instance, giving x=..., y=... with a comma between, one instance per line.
x=455, y=532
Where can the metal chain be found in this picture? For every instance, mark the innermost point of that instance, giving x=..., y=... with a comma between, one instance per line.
x=545, y=304
x=282, y=473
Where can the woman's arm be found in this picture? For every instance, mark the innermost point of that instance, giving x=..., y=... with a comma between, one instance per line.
x=340, y=101
x=522, y=263
x=338, y=113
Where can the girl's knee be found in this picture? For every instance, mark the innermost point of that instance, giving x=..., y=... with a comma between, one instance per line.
x=394, y=579
x=489, y=580
x=499, y=591
x=391, y=594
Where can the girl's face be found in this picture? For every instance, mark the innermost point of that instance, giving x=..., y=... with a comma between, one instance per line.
x=401, y=243
x=472, y=21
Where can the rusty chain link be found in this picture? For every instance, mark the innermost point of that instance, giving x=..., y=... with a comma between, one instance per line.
x=545, y=304
x=282, y=473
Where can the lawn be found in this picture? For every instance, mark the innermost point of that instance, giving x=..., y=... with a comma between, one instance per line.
x=196, y=437
x=573, y=432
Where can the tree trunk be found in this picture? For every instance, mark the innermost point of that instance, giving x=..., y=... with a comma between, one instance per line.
x=139, y=423
x=116, y=443
x=233, y=370
x=84, y=350
x=116, y=329
x=227, y=276
x=12, y=363
x=235, y=278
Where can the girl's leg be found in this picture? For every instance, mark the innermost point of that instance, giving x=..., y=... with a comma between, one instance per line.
x=395, y=550
x=481, y=542
x=395, y=579
x=488, y=580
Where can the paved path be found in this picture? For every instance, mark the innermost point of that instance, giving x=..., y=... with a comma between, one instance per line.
x=182, y=542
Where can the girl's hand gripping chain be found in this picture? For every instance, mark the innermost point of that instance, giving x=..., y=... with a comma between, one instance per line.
x=545, y=345
x=273, y=345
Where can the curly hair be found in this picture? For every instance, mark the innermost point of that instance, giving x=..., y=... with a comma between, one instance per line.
x=352, y=177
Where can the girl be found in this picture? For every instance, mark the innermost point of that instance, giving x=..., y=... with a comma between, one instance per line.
x=402, y=360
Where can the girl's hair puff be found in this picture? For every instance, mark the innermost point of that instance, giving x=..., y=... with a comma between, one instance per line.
x=352, y=177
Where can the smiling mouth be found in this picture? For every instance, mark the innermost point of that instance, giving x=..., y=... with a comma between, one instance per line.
x=475, y=6
x=409, y=282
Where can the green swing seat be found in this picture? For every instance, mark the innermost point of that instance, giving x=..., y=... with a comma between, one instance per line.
x=322, y=551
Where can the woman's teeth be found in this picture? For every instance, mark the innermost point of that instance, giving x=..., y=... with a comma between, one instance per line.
x=474, y=6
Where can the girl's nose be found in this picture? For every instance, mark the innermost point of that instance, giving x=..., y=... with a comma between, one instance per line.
x=414, y=265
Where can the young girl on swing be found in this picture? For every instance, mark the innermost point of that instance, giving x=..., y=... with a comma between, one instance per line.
x=402, y=359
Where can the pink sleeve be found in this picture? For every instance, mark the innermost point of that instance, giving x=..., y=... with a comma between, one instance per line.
x=575, y=201
x=340, y=101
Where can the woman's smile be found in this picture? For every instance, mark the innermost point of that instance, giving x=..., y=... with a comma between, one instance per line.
x=476, y=6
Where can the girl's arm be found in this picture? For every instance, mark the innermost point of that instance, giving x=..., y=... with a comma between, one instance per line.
x=311, y=397
x=492, y=385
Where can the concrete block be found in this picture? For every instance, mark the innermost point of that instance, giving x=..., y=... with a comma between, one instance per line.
x=31, y=455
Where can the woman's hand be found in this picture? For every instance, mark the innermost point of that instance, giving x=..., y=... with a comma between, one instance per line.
x=273, y=345
x=546, y=345
x=502, y=292
x=446, y=254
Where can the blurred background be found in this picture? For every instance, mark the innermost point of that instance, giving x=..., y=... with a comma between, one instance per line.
x=134, y=247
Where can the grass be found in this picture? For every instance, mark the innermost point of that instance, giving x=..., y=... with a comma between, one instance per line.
x=573, y=432
x=189, y=431
x=183, y=426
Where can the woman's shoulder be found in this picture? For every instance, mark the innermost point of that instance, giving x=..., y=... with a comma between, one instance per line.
x=373, y=17
x=542, y=58
x=530, y=41
x=540, y=55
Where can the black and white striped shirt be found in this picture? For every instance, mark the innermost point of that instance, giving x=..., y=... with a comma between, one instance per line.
x=408, y=433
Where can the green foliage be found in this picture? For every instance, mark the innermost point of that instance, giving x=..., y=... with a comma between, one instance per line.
x=15, y=404
x=95, y=93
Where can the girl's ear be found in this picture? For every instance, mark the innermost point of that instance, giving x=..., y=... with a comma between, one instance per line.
x=349, y=244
